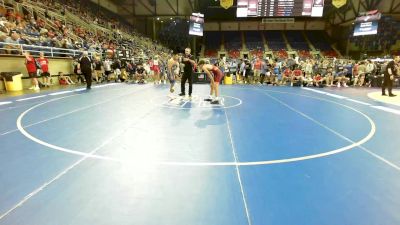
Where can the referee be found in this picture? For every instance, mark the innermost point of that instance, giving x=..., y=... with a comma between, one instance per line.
x=86, y=68
x=390, y=72
x=188, y=61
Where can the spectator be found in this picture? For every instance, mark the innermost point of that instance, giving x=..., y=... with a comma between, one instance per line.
x=341, y=78
x=117, y=70
x=64, y=80
x=32, y=70
x=44, y=68
x=286, y=75
x=297, y=74
x=257, y=69
x=361, y=73
x=107, y=68
x=13, y=42
x=98, y=69
x=140, y=75
x=318, y=79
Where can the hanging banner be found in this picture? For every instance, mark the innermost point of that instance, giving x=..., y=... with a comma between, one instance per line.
x=226, y=4
x=339, y=3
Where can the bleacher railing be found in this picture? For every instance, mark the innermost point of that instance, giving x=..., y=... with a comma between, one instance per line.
x=18, y=49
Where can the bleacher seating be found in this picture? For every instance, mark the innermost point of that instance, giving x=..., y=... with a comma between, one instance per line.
x=234, y=54
x=258, y=53
x=275, y=40
x=212, y=40
x=209, y=53
x=297, y=40
x=233, y=40
x=395, y=52
x=319, y=40
x=304, y=54
x=281, y=54
x=253, y=40
x=330, y=54
x=61, y=26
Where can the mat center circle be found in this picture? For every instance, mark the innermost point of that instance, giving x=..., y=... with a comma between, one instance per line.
x=196, y=101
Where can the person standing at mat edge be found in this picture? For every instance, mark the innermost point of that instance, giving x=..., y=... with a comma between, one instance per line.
x=188, y=61
x=86, y=67
x=44, y=67
x=32, y=70
x=390, y=72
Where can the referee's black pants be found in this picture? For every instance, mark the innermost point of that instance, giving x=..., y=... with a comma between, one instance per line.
x=189, y=78
x=387, y=83
x=88, y=78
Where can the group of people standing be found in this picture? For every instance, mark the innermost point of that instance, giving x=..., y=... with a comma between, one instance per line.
x=311, y=72
x=36, y=68
x=306, y=72
x=214, y=74
x=86, y=65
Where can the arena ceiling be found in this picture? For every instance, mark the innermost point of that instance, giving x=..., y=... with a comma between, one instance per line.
x=155, y=8
x=345, y=15
x=213, y=12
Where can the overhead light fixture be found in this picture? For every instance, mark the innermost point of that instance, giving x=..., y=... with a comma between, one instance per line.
x=158, y=18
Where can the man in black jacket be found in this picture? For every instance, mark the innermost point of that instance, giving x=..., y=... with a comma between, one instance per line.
x=86, y=67
x=188, y=61
x=390, y=72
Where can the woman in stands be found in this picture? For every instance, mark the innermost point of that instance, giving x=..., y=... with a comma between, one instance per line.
x=215, y=75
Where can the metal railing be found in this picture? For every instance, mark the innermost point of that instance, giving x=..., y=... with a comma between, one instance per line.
x=18, y=49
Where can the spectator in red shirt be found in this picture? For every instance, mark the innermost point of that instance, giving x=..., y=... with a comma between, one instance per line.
x=287, y=74
x=297, y=75
x=318, y=79
x=44, y=69
x=32, y=71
